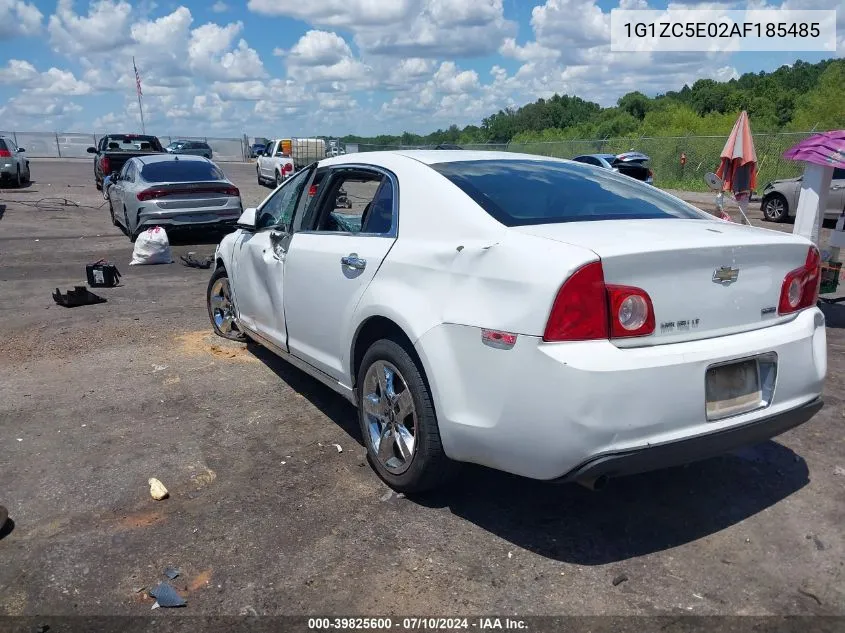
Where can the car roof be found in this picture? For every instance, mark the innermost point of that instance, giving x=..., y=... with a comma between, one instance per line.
x=169, y=158
x=432, y=156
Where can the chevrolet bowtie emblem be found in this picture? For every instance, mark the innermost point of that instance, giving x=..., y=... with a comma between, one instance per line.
x=725, y=275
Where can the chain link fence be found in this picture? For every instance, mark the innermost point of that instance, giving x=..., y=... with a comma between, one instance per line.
x=665, y=152
x=701, y=152
x=75, y=145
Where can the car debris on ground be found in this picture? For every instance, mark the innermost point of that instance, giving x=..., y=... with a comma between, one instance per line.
x=166, y=596
x=79, y=296
x=157, y=489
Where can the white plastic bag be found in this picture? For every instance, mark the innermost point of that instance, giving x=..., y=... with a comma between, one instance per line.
x=152, y=247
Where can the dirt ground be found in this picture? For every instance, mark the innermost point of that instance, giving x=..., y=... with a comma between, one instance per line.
x=265, y=516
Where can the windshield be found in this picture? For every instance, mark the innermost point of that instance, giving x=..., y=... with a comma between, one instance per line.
x=175, y=145
x=181, y=171
x=522, y=192
x=131, y=142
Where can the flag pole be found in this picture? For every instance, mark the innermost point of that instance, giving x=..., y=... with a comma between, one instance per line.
x=138, y=90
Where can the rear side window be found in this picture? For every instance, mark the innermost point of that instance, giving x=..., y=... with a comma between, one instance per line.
x=523, y=192
x=181, y=171
x=3, y=145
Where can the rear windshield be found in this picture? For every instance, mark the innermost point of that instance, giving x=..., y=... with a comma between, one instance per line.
x=521, y=192
x=131, y=142
x=181, y=171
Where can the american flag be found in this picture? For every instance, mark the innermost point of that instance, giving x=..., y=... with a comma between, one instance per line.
x=137, y=79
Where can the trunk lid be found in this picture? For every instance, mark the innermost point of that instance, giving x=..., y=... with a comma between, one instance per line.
x=705, y=278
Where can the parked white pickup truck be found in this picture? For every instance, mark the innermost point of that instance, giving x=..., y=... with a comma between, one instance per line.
x=274, y=165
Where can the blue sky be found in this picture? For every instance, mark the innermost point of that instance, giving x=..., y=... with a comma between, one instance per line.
x=305, y=67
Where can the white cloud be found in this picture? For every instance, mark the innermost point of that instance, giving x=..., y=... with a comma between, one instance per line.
x=347, y=13
x=52, y=82
x=532, y=51
x=19, y=18
x=321, y=58
x=220, y=7
x=570, y=24
x=105, y=28
x=319, y=48
x=407, y=28
x=449, y=80
x=210, y=54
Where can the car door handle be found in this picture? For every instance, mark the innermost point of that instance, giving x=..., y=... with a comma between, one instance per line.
x=353, y=261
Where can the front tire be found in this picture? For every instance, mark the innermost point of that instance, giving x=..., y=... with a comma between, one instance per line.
x=221, y=309
x=775, y=208
x=398, y=422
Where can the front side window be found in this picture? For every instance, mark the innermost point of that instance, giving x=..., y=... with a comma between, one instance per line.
x=523, y=192
x=278, y=210
x=357, y=201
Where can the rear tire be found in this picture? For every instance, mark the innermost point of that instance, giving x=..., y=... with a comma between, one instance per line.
x=258, y=175
x=384, y=414
x=279, y=179
x=221, y=309
x=18, y=182
x=775, y=208
x=28, y=178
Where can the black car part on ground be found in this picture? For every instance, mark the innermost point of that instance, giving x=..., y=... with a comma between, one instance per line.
x=101, y=274
x=79, y=296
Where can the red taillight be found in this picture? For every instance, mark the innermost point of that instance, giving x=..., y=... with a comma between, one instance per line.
x=631, y=312
x=104, y=165
x=288, y=167
x=800, y=287
x=4, y=153
x=153, y=194
x=586, y=309
x=312, y=190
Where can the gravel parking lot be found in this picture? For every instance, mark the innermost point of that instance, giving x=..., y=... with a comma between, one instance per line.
x=265, y=516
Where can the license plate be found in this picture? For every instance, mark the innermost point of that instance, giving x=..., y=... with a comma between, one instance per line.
x=733, y=389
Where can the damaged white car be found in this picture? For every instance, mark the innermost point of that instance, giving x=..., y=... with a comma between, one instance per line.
x=529, y=314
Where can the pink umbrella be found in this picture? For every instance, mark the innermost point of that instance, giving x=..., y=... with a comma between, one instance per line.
x=826, y=149
x=738, y=167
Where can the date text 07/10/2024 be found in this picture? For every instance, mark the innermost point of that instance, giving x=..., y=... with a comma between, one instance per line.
x=417, y=624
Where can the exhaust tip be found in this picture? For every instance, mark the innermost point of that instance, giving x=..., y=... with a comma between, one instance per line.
x=595, y=483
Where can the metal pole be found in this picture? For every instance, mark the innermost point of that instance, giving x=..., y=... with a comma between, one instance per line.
x=140, y=107
x=58, y=149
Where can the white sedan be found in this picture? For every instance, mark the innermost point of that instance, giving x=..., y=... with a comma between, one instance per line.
x=529, y=314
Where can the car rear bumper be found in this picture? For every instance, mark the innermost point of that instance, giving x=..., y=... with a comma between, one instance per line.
x=550, y=410
x=692, y=449
x=8, y=170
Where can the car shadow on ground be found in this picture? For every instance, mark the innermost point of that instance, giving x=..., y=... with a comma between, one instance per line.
x=332, y=405
x=200, y=237
x=631, y=517
x=6, y=528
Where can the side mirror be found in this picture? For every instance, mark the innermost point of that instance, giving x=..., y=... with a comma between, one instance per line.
x=114, y=176
x=21, y=149
x=91, y=150
x=247, y=220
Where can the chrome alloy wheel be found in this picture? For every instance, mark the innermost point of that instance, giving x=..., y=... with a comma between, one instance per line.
x=222, y=310
x=390, y=416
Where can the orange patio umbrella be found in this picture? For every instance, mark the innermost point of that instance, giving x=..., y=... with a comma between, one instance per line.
x=738, y=166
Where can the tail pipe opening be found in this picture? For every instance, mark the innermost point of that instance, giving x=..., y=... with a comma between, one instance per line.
x=594, y=483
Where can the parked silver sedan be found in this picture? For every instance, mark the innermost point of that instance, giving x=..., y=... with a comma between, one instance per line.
x=171, y=191
x=14, y=166
x=780, y=197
